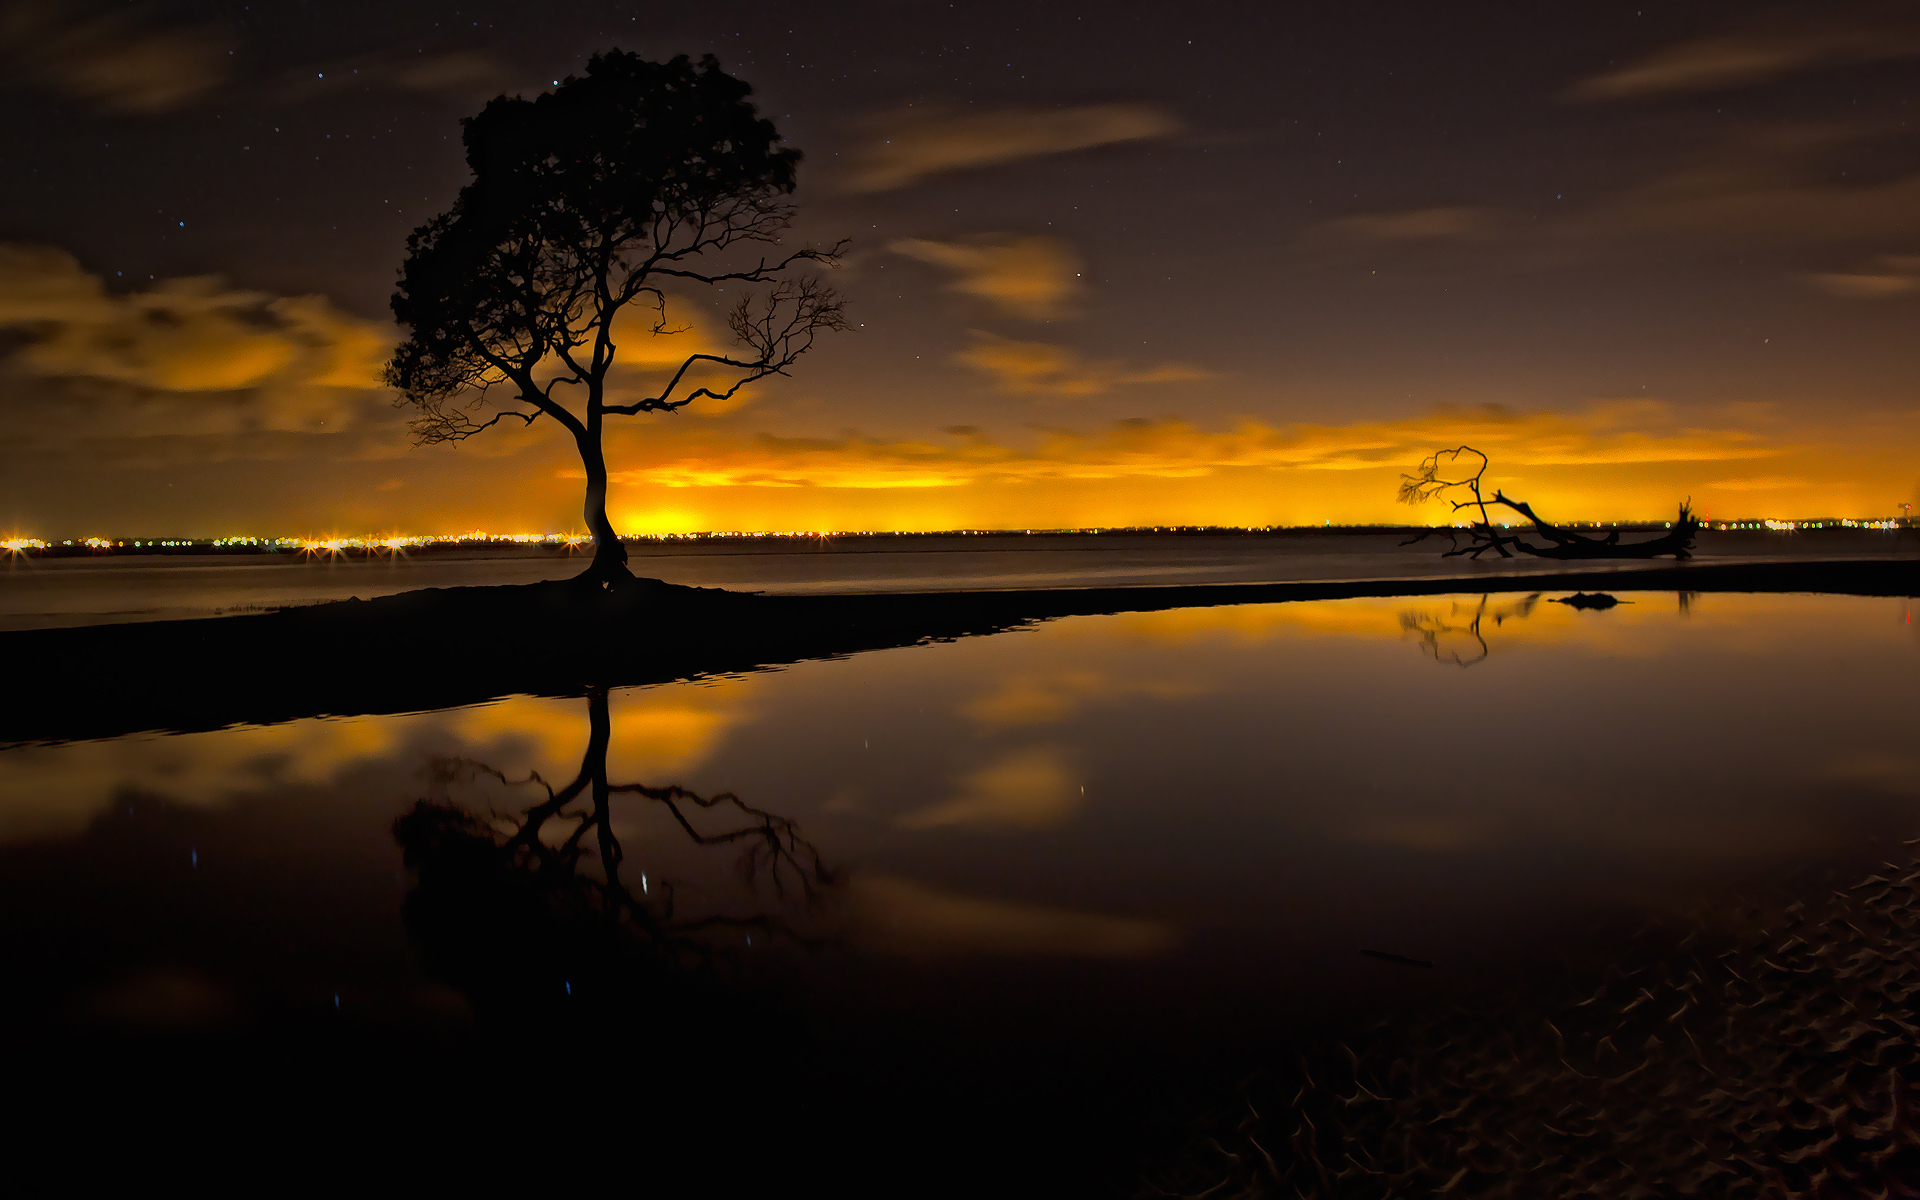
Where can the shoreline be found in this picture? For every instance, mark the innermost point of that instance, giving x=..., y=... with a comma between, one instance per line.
x=445, y=647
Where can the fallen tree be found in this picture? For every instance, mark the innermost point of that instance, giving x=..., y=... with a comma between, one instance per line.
x=1428, y=483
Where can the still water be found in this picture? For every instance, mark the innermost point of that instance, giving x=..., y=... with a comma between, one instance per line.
x=39, y=592
x=1058, y=886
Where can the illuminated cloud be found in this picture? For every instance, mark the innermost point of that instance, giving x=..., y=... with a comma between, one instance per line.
x=1417, y=225
x=1628, y=432
x=1890, y=275
x=122, y=62
x=183, y=359
x=1044, y=369
x=1034, y=277
x=920, y=143
x=1759, y=483
x=1757, y=55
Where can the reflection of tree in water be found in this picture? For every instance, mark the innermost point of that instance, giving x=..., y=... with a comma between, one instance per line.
x=533, y=911
x=1449, y=640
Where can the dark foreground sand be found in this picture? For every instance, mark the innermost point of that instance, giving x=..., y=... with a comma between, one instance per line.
x=1767, y=1051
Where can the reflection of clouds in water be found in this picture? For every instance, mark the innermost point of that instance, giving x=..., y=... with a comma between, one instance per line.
x=1741, y=623
x=910, y=918
x=1039, y=698
x=169, y=998
x=1878, y=770
x=1030, y=788
x=48, y=791
x=1424, y=832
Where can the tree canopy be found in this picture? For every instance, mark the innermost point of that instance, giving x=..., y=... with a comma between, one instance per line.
x=605, y=192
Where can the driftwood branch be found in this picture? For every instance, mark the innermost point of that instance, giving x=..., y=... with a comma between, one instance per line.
x=1455, y=476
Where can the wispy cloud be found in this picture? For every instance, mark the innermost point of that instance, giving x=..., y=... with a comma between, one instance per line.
x=916, y=144
x=1760, y=53
x=1627, y=432
x=467, y=74
x=1045, y=369
x=1886, y=277
x=183, y=361
x=1418, y=224
x=1758, y=483
x=120, y=61
x=1780, y=184
x=1033, y=277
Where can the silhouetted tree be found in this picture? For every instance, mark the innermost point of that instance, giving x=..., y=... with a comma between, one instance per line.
x=1428, y=482
x=600, y=194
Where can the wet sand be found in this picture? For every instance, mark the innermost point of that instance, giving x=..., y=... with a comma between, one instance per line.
x=1749, y=1049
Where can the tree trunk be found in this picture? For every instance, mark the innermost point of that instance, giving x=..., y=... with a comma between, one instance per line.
x=600, y=730
x=609, y=553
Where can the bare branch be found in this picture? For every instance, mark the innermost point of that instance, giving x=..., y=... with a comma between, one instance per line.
x=1427, y=482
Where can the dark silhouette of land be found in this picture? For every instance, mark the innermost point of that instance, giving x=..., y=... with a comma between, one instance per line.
x=437, y=648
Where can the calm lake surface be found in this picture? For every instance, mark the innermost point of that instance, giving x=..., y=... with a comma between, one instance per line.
x=1026, y=898
x=42, y=592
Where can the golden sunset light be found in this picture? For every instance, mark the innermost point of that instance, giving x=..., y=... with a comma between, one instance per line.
x=1288, y=601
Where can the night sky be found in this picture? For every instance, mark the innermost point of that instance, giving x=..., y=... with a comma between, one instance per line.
x=1111, y=264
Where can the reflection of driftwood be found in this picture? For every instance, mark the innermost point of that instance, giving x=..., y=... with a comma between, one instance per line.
x=514, y=914
x=1599, y=600
x=1430, y=628
x=1428, y=483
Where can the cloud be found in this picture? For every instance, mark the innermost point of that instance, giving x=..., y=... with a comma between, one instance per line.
x=1780, y=184
x=1041, y=368
x=1890, y=275
x=1025, y=789
x=1420, y=224
x=1734, y=60
x=1772, y=181
x=1033, y=277
x=915, y=145
x=1760, y=483
x=125, y=62
x=912, y=918
x=468, y=74
x=1626, y=432
x=183, y=359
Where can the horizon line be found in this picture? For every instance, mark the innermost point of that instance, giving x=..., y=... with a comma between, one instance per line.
x=19, y=543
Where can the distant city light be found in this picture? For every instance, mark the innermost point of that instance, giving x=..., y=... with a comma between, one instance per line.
x=395, y=544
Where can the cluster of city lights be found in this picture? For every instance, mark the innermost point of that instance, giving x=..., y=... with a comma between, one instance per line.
x=373, y=545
